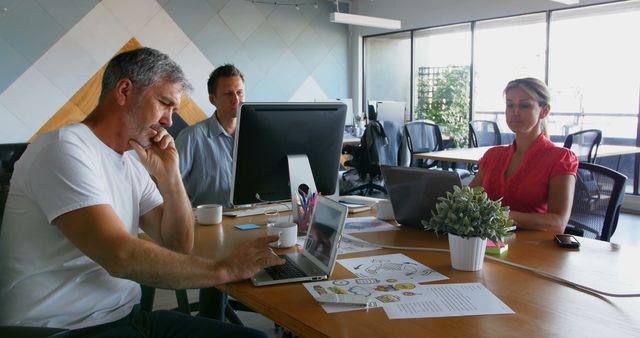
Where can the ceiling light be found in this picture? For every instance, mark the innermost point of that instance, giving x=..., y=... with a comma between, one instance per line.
x=362, y=20
x=567, y=2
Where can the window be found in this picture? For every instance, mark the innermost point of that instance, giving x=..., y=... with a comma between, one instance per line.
x=505, y=49
x=387, y=71
x=442, y=58
x=594, y=74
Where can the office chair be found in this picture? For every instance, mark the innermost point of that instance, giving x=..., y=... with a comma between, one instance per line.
x=597, y=198
x=177, y=125
x=9, y=154
x=423, y=137
x=484, y=133
x=380, y=145
x=585, y=144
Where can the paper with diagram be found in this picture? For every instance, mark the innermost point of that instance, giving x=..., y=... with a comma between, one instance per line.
x=379, y=291
x=449, y=300
x=396, y=266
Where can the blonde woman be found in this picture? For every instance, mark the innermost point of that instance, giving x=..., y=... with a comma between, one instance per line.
x=534, y=177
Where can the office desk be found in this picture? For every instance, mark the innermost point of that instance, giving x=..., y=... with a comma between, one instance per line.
x=350, y=139
x=543, y=307
x=473, y=155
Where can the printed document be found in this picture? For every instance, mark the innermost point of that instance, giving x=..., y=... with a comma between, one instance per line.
x=449, y=300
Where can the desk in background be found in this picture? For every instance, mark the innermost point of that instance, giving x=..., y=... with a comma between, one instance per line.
x=543, y=307
x=473, y=155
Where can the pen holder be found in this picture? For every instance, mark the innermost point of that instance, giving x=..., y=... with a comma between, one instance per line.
x=305, y=218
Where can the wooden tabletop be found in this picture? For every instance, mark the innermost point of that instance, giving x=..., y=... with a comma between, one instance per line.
x=473, y=155
x=543, y=308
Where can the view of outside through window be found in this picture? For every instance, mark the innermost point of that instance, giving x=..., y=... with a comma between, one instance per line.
x=505, y=49
x=442, y=79
x=593, y=72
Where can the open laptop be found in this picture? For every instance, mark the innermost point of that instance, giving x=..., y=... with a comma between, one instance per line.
x=317, y=260
x=414, y=192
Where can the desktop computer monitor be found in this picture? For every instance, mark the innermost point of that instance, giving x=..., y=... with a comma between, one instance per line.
x=268, y=132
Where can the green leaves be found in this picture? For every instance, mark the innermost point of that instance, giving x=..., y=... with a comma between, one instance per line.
x=468, y=212
x=443, y=97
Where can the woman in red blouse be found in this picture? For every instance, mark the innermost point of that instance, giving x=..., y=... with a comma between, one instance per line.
x=534, y=177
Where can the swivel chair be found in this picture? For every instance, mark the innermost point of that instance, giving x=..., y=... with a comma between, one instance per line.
x=585, y=144
x=597, y=199
x=484, y=133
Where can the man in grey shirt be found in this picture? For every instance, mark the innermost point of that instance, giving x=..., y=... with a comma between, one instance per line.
x=206, y=148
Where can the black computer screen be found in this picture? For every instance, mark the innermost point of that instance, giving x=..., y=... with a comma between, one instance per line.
x=268, y=132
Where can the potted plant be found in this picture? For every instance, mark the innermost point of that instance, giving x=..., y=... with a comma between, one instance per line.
x=470, y=218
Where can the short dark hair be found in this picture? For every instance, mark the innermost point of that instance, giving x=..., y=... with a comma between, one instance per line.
x=143, y=67
x=227, y=70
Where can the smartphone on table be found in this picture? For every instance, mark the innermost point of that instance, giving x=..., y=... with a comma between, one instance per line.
x=567, y=241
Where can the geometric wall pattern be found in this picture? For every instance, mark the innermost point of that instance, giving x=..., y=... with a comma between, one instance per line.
x=85, y=100
x=51, y=48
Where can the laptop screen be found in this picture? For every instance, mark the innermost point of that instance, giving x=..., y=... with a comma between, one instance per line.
x=323, y=235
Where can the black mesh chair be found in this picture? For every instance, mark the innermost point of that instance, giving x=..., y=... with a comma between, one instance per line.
x=9, y=154
x=380, y=145
x=598, y=195
x=585, y=144
x=484, y=133
x=177, y=125
x=423, y=137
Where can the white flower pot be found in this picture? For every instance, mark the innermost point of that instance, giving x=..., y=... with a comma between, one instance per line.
x=467, y=254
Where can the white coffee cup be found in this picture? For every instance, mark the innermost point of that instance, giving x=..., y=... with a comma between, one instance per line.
x=288, y=234
x=383, y=209
x=209, y=214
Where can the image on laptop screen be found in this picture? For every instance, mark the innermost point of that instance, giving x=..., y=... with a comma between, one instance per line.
x=322, y=234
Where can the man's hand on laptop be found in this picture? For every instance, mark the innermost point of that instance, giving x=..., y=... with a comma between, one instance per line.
x=250, y=258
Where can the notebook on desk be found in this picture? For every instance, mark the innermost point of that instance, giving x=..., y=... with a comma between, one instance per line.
x=414, y=192
x=320, y=249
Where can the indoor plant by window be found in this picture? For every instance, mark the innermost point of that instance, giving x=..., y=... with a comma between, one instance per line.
x=470, y=218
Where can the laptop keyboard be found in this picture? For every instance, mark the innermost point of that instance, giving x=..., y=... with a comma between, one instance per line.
x=287, y=270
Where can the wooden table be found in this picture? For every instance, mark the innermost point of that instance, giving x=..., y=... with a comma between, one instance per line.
x=543, y=308
x=473, y=155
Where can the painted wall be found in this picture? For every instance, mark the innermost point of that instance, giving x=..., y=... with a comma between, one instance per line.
x=50, y=48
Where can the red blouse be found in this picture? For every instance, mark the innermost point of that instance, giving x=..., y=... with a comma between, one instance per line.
x=527, y=189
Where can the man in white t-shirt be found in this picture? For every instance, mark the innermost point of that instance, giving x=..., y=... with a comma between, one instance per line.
x=69, y=250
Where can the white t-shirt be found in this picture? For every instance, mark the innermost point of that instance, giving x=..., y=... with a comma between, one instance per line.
x=45, y=280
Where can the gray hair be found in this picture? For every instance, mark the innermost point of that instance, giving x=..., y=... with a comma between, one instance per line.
x=144, y=67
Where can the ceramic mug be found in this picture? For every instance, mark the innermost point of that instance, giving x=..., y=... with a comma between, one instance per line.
x=209, y=214
x=383, y=209
x=288, y=234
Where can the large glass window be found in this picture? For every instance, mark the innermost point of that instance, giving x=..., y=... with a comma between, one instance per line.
x=505, y=49
x=594, y=74
x=387, y=71
x=442, y=60
x=589, y=57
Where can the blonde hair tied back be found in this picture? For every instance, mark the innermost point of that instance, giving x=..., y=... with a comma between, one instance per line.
x=537, y=90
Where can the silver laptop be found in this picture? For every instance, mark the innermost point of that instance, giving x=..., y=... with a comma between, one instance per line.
x=318, y=258
x=414, y=192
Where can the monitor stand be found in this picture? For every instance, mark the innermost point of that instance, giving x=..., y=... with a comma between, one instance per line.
x=299, y=173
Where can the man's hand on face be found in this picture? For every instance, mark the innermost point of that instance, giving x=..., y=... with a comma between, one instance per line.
x=161, y=156
x=250, y=258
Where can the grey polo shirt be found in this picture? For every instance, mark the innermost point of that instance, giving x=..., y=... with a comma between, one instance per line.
x=206, y=154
